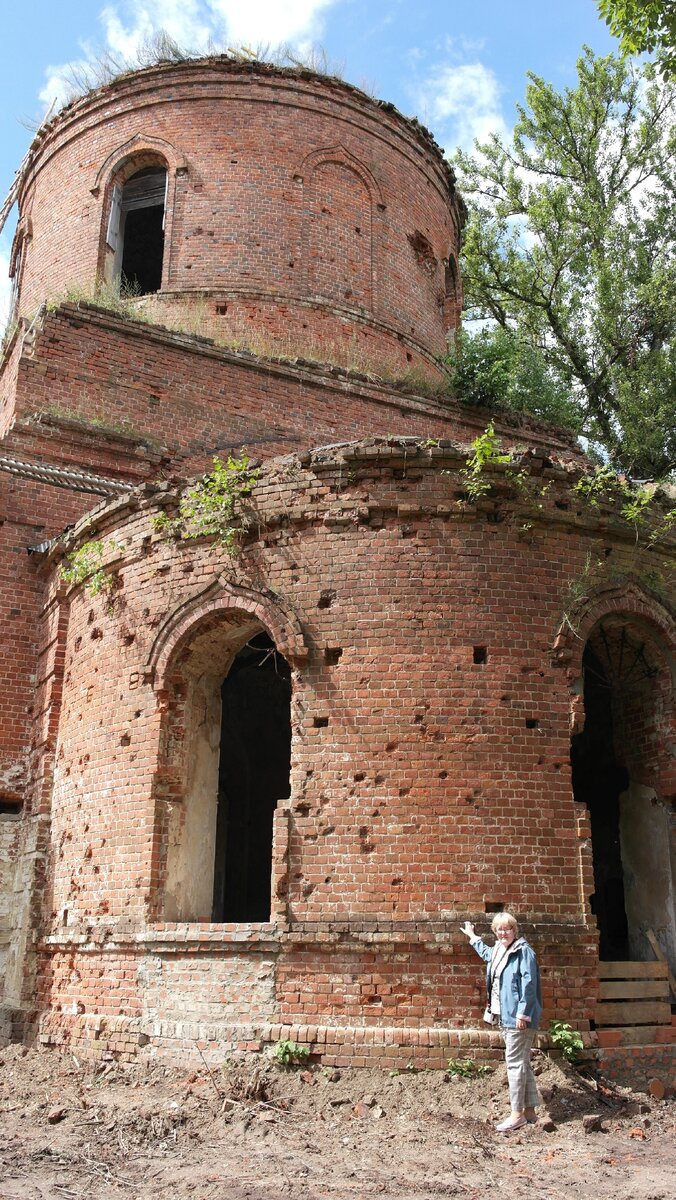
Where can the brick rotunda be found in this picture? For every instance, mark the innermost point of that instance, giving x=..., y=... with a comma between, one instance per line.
x=254, y=778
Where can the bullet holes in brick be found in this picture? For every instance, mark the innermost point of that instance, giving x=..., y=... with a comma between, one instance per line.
x=365, y=845
x=391, y=746
x=326, y=598
x=125, y=740
x=409, y=356
x=221, y=310
x=332, y=655
x=78, y=643
x=404, y=791
x=379, y=779
x=443, y=774
x=359, y=777
x=532, y=723
x=320, y=722
x=128, y=639
x=479, y=654
x=96, y=635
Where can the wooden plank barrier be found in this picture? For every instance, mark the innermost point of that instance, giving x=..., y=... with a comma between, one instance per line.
x=633, y=993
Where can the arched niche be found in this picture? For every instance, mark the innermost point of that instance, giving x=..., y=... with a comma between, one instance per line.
x=340, y=195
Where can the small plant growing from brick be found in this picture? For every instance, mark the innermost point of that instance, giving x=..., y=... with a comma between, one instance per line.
x=467, y=1068
x=485, y=453
x=566, y=1040
x=637, y=501
x=210, y=508
x=85, y=566
x=291, y=1054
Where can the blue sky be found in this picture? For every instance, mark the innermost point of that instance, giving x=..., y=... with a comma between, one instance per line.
x=460, y=67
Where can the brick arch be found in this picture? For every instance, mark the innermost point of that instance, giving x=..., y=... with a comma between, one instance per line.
x=220, y=598
x=629, y=598
x=339, y=154
x=134, y=151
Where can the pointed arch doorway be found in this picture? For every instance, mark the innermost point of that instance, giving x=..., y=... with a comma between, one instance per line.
x=622, y=763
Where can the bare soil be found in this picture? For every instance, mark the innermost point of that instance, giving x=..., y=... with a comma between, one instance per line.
x=256, y=1130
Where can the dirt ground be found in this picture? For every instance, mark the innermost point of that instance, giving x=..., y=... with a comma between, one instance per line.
x=256, y=1130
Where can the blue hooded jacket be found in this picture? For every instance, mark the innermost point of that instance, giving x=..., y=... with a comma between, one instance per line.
x=520, y=994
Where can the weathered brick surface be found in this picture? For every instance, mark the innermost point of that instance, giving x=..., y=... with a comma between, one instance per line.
x=125, y=398
x=304, y=210
x=426, y=787
x=435, y=645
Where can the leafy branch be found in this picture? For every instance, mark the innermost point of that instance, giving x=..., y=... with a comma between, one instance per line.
x=85, y=566
x=211, y=507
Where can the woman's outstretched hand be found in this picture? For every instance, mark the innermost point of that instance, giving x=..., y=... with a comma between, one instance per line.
x=467, y=929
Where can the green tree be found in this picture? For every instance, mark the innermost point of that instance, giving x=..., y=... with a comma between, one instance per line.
x=570, y=246
x=644, y=27
x=495, y=368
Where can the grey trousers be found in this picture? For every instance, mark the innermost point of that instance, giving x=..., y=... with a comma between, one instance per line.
x=523, y=1092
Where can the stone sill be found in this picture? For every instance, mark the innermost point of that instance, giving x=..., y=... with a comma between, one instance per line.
x=170, y=936
x=432, y=935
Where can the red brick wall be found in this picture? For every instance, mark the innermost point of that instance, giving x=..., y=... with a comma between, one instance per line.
x=147, y=395
x=426, y=787
x=282, y=185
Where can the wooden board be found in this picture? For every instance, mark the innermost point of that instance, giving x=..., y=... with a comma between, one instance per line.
x=634, y=989
x=633, y=1012
x=661, y=956
x=633, y=970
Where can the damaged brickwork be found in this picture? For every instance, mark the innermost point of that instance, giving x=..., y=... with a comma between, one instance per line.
x=253, y=786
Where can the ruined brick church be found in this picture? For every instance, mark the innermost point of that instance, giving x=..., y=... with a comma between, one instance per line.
x=251, y=791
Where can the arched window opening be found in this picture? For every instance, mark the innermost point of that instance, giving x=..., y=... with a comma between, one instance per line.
x=619, y=765
x=253, y=777
x=226, y=766
x=598, y=781
x=136, y=230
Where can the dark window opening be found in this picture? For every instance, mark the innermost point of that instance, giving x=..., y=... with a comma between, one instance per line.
x=479, y=654
x=10, y=806
x=598, y=780
x=136, y=230
x=253, y=776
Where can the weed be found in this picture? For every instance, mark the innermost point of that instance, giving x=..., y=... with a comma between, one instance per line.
x=85, y=566
x=566, y=1040
x=209, y=507
x=291, y=1054
x=467, y=1068
x=485, y=453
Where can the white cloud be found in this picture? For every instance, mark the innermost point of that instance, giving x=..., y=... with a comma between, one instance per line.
x=461, y=102
x=196, y=25
x=183, y=20
x=271, y=21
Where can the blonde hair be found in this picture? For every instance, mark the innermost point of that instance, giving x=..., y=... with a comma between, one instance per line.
x=504, y=918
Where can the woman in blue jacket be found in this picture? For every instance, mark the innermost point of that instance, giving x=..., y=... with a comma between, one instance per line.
x=514, y=1002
